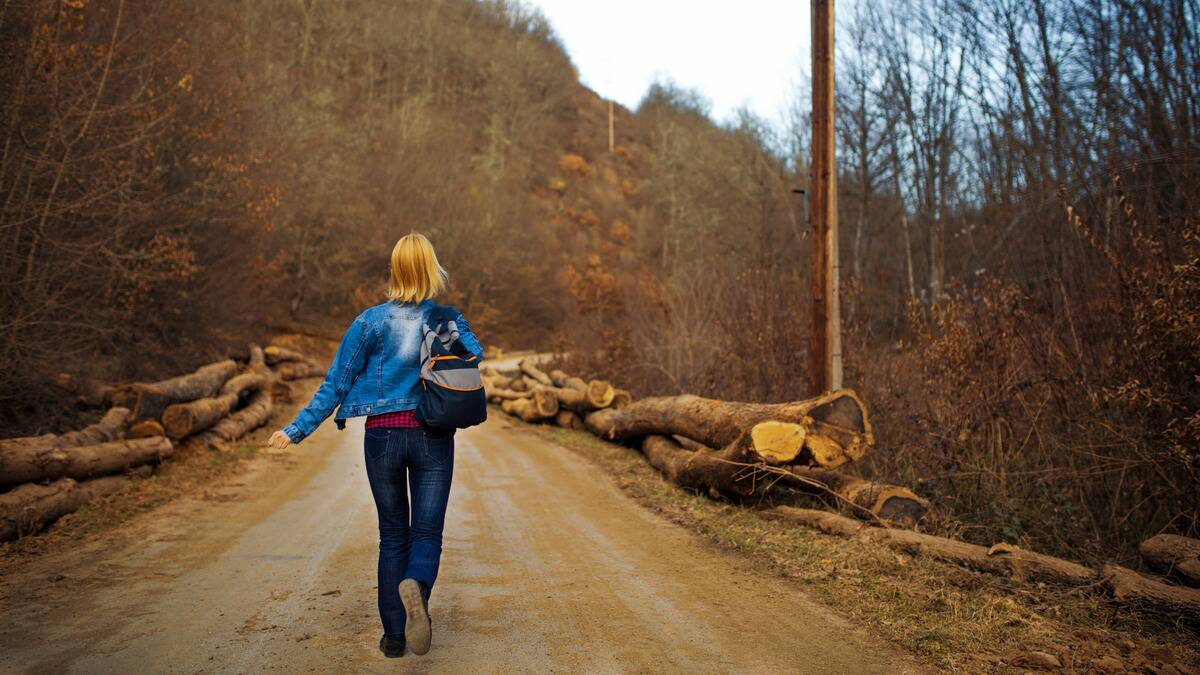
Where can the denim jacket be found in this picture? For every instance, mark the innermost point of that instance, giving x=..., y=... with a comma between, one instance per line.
x=377, y=366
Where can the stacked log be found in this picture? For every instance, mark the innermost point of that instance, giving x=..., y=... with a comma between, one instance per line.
x=826, y=431
x=185, y=419
x=205, y=408
x=41, y=464
x=150, y=399
x=31, y=507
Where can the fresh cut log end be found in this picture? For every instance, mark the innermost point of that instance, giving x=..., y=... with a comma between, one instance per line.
x=777, y=442
x=600, y=394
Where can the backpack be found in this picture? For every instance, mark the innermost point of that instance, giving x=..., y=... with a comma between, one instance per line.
x=453, y=395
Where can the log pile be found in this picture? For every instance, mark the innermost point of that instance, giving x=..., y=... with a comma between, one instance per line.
x=45, y=477
x=770, y=453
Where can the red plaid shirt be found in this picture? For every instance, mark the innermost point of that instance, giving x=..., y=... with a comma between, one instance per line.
x=401, y=419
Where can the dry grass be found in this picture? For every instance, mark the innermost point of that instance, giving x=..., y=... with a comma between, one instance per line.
x=957, y=619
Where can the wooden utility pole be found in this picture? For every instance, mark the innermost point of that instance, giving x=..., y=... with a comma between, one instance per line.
x=825, y=352
x=610, y=126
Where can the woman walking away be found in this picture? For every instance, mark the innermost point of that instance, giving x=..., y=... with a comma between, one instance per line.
x=376, y=372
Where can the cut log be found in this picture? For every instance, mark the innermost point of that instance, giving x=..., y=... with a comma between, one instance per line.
x=221, y=436
x=274, y=355
x=258, y=362
x=148, y=400
x=558, y=378
x=836, y=426
x=1130, y=588
x=1001, y=559
x=691, y=464
x=91, y=392
x=888, y=502
x=81, y=462
x=621, y=399
x=497, y=395
x=29, y=508
x=18, y=455
x=185, y=419
x=1173, y=555
x=579, y=400
x=297, y=370
x=145, y=429
x=530, y=368
x=542, y=405
x=706, y=470
x=568, y=419
x=518, y=384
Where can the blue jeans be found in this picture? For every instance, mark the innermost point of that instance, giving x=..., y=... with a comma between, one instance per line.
x=400, y=461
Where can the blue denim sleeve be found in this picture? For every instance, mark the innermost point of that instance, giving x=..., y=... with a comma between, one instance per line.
x=466, y=336
x=348, y=362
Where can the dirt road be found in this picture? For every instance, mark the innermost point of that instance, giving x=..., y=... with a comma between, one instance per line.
x=547, y=567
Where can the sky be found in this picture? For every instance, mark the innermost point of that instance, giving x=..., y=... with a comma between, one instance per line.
x=736, y=53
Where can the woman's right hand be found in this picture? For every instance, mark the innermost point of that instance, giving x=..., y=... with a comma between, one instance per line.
x=279, y=440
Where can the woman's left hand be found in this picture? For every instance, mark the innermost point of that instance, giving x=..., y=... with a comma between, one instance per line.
x=279, y=440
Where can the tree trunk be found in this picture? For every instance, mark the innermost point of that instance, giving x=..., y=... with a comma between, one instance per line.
x=542, y=405
x=184, y=419
x=275, y=355
x=148, y=400
x=836, y=429
x=256, y=413
x=110, y=427
x=296, y=370
x=29, y=508
x=530, y=368
x=1129, y=587
x=1173, y=555
x=888, y=502
x=80, y=462
x=1002, y=559
x=568, y=419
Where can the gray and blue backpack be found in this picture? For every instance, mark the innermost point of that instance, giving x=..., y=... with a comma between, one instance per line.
x=453, y=395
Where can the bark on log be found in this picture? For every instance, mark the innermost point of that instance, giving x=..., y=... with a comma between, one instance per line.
x=836, y=426
x=297, y=370
x=81, y=462
x=889, y=502
x=542, y=405
x=29, y=508
x=15, y=451
x=530, y=368
x=1001, y=559
x=1130, y=588
x=568, y=419
x=148, y=399
x=256, y=413
x=705, y=470
x=694, y=465
x=497, y=395
x=185, y=419
x=275, y=355
x=1173, y=555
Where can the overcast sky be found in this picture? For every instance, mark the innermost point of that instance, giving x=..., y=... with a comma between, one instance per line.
x=744, y=52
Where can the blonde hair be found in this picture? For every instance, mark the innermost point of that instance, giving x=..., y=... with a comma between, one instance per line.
x=416, y=274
